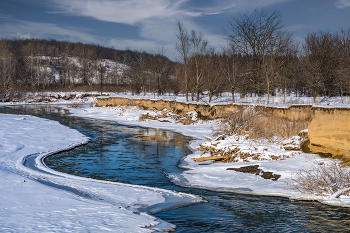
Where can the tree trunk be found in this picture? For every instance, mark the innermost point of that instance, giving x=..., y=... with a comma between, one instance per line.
x=233, y=94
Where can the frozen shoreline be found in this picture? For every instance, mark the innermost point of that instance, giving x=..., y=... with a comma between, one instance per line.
x=33, y=200
x=64, y=209
x=214, y=176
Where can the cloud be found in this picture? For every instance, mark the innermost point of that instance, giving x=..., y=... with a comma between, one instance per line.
x=342, y=4
x=229, y=6
x=156, y=19
x=124, y=11
x=24, y=36
x=3, y=16
x=27, y=29
x=132, y=12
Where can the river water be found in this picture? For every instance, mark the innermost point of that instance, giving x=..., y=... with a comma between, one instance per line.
x=145, y=156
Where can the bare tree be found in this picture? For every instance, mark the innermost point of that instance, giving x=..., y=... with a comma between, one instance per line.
x=86, y=64
x=274, y=60
x=101, y=68
x=229, y=68
x=28, y=52
x=160, y=70
x=183, y=47
x=251, y=35
x=343, y=72
x=321, y=59
x=214, y=68
x=198, y=55
x=121, y=69
x=66, y=66
x=138, y=73
x=7, y=68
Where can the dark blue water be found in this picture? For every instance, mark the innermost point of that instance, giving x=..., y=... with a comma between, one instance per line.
x=144, y=156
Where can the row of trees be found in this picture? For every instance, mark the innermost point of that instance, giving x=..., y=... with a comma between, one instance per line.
x=262, y=59
x=33, y=65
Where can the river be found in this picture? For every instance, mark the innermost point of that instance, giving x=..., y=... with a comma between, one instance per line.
x=145, y=156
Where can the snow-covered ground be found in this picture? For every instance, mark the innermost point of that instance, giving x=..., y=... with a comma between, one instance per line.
x=28, y=205
x=215, y=176
x=43, y=200
x=226, y=98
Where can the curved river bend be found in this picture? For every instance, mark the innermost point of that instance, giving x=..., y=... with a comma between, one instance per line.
x=145, y=156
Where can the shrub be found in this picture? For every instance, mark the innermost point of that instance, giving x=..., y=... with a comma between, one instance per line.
x=323, y=180
x=258, y=125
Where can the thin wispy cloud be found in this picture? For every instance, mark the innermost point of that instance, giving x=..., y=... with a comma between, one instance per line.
x=155, y=18
x=26, y=29
x=295, y=27
x=229, y=6
x=342, y=3
x=132, y=12
x=126, y=12
x=3, y=16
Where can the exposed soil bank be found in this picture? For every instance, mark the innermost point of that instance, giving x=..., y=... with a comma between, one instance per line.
x=205, y=112
x=328, y=130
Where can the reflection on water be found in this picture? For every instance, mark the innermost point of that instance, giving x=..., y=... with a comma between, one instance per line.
x=144, y=156
x=124, y=154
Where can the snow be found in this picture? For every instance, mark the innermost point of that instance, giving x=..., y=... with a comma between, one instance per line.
x=226, y=98
x=278, y=101
x=214, y=176
x=44, y=200
x=41, y=199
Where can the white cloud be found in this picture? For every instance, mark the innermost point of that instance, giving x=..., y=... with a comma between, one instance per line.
x=342, y=3
x=156, y=19
x=23, y=36
x=217, y=7
x=132, y=12
x=124, y=11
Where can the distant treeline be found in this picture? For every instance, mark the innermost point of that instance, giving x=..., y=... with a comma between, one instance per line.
x=56, y=48
x=39, y=65
x=260, y=58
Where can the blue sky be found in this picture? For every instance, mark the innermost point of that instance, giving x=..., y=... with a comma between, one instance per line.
x=148, y=24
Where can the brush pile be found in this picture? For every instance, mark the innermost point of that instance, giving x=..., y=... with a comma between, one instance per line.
x=237, y=148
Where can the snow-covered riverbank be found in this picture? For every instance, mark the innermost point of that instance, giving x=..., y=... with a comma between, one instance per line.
x=220, y=176
x=37, y=201
x=29, y=205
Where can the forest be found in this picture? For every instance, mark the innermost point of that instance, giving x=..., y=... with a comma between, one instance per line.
x=260, y=59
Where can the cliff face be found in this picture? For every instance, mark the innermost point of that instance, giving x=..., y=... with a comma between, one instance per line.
x=328, y=129
x=329, y=132
x=206, y=112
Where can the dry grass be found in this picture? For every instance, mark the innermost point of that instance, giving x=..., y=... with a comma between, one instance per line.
x=257, y=125
x=187, y=119
x=230, y=154
x=146, y=116
x=323, y=180
x=227, y=152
